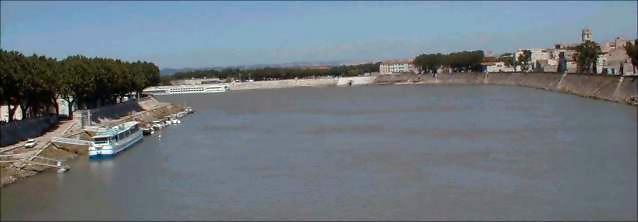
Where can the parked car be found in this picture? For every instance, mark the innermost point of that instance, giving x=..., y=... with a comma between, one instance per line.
x=30, y=143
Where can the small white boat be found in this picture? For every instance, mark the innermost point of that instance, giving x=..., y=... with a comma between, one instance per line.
x=157, y=125
x=189, y=110
x=148, y=131
x=111, y=141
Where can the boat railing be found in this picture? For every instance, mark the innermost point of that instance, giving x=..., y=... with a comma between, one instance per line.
x=71, y=141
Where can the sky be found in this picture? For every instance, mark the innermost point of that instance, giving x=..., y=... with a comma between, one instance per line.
x=203, y=34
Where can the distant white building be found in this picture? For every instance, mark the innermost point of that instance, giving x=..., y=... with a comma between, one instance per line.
x=497, y=67
x=538, y=58
x=614, y=58
x=396, y=66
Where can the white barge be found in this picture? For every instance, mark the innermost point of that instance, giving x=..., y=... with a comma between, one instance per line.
x=109, y=142
x=186, y=89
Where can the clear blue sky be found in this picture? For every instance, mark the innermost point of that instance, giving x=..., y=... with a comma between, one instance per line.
x=196, y=34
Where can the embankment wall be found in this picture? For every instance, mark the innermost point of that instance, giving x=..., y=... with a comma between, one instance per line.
x=288, y=83
x=115, y=111
x=355, y=81
x=13, y=132
x=611, y=88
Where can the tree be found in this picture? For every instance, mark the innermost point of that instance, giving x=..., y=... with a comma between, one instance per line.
x=562, y=63
x=266, y=73
x=524, y=59
x=35, y=83
x=632, y=52
x=507, y=59
x=586, y=55
x=464, y=61
x=46, y=85
x=11, y=65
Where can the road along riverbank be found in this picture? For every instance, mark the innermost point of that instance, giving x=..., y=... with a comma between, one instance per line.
x=18, y=162
x=611, y=88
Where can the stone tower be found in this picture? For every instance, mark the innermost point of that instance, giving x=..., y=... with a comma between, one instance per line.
x=586, y=35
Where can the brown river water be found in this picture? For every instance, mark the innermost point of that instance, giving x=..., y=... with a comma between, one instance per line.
x=373, y=152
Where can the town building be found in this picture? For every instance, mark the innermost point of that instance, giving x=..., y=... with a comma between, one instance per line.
x=614, y=60
x=496, y=66
x=547, y=60
x=541, y=60
x=586, y=35
x=396, y=66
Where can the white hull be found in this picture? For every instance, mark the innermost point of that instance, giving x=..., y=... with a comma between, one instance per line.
x=186, y=89
x=110, y=141
x=117, y=147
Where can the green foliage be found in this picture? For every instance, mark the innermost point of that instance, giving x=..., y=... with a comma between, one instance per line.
x=524, y=59
x=507, y=58
x=34, y=83
x=632, y=52
x=586, y=55
x=271, y=73
x=464, y=61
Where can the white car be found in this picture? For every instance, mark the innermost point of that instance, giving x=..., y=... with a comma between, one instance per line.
x=30, y=143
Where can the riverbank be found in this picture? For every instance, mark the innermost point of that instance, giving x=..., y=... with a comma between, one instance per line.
x=609, y=88
x=292, y=83
x=16, y=161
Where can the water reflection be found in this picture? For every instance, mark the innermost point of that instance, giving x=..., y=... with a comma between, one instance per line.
x=103, y=168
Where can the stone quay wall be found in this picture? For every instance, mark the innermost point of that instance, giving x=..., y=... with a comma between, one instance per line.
x=15, y=131
x=611, y=88
x=288, y=83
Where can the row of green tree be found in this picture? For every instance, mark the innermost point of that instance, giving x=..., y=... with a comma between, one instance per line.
x=465, y=61
x=34, y=83
x=271, y=73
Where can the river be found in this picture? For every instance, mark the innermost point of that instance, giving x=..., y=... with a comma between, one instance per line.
x=373, y=152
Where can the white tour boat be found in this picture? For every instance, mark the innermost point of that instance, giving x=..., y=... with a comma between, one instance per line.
x=109, y=142
x=186, y=89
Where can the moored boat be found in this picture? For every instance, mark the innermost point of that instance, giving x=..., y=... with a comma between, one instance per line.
x=186, y=89
x=148, y=131
x=109, y=142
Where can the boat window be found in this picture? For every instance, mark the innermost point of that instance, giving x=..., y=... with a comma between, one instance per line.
x=101, y=140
